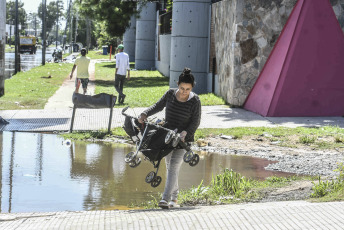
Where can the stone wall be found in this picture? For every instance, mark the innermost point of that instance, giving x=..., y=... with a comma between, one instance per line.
x=245, y=33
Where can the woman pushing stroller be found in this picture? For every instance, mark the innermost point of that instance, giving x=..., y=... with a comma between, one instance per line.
x=183, y=112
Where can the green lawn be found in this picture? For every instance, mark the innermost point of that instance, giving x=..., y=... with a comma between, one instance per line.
x=33, y=88
x=9, y=49
x=144, y=87
x=142, y=90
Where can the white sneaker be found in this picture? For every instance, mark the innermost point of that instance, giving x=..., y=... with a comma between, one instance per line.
x=173, y=204
x=163, y=204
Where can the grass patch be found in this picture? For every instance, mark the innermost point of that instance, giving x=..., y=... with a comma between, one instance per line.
x=330, y=190
x=9, y=49
x=285, y=137
x=227, y=187
x=90, y=135
x=307, y=139
x=33, y=88
x=98, y=54
x=144, y=87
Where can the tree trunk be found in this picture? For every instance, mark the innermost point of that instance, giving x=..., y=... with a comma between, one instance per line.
x=2, y=45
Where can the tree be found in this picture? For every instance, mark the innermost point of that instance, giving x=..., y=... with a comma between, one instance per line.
x=11, y=13
x=115, y=14
x=52, y=13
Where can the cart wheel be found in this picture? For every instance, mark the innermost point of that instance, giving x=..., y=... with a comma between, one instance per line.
x=169, y=137
x=135, y=162
x=129, y=157
x=188, y=156
x=156, y=181
x=194, y=160
x=150, y=177
x=175, y=141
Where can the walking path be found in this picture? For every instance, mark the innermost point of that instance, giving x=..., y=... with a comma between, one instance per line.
x=274, y=215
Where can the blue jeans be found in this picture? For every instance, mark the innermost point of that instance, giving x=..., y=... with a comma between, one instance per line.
x=173, y=162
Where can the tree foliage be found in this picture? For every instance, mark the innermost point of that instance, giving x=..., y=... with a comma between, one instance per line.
x=53, y=11
x=114, y=14
x=11, y=13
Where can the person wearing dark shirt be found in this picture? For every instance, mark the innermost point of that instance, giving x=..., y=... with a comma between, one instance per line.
x=183, y=113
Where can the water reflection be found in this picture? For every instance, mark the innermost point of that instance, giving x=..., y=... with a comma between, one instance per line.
x=27, y=61
x=40, y=173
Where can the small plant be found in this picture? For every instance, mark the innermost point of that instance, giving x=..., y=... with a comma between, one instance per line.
x=339, y=139
x=307, y=139
x=324, y=188
x=230, y=183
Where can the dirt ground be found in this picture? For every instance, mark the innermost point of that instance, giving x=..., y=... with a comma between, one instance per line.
x=252, y=145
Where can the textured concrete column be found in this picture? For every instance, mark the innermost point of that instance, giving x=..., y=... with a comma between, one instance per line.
x=189, y=42
x=2, y=45
x=129, y=39
x=145, y=37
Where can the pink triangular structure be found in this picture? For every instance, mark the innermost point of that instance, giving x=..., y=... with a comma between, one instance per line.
x=304, y=74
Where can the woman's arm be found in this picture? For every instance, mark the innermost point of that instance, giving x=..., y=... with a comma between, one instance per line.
x=195, y=120
x=160, y=105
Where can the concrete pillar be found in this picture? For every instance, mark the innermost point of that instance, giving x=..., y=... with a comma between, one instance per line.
x=189, y=41
x=145, y=37
x=2, y=45
x=129, y=39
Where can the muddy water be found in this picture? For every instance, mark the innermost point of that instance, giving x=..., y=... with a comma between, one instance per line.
x=27, y=61
x=40, y=173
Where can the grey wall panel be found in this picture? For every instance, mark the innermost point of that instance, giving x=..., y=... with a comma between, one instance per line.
x=165, y=52
x=189, y=41
x=190, y=19
x=190, y=52
x=144, y=56
x=145, y=37
x=145, y=30
x=129, y=39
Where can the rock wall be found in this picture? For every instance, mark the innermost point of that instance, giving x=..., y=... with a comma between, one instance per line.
x=245, y=33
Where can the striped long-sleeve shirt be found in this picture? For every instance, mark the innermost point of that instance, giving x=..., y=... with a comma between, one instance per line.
x=181, y=115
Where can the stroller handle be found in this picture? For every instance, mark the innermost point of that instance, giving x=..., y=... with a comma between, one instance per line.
x=145, y=122
x=183, y=144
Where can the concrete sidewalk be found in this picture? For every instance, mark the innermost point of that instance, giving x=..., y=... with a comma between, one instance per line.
x=275, y=215
x=49, y=120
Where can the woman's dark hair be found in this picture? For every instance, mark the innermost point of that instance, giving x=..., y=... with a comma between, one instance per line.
x=186, y=77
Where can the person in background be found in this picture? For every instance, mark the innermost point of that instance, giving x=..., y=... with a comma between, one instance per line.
x=122, y=68
x=82, y=75
x=183, y=112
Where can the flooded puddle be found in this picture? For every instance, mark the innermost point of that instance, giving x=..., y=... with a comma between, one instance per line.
x=27, y=61
x=39, y=173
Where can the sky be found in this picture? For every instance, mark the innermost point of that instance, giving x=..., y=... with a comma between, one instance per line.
x=31, y=6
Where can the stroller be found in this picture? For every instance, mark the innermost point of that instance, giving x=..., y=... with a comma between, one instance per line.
x=155, y=142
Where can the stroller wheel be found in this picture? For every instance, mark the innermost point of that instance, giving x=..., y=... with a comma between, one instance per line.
x=156, y=181
x=175, y=141
x=194, y=160
x=150, y=177
x=135, y=162
x=129, y=157
x=169, y=137
x=188, y=156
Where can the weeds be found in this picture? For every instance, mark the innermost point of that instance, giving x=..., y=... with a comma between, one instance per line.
x=307, y=139
x=325, y=188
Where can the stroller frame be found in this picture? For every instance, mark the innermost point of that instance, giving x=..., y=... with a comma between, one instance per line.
x=172, y=137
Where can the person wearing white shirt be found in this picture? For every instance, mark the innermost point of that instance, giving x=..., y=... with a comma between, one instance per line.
x=122, y=68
